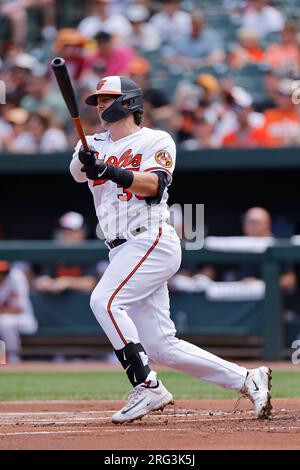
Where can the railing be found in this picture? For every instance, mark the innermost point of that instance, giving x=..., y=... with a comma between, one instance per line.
x=204, y=160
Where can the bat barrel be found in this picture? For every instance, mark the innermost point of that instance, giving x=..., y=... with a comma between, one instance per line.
x=58, y=62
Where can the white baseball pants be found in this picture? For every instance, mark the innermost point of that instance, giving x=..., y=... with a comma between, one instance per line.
x=131, y=303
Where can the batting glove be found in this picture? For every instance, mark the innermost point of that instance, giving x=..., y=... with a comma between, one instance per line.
x=87, y=158
x=95, y=171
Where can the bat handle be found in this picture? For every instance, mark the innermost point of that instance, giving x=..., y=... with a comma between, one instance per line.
x=78, y=125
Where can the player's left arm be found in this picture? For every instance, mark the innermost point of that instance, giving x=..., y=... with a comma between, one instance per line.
x=145, y=184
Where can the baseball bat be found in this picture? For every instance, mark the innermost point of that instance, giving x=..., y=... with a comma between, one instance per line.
x=61, y=73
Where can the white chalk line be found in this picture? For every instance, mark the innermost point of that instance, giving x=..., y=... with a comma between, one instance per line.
x=88, y=431
x=126, y=430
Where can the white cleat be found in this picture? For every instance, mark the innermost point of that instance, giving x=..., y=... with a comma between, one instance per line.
x=257, y=388
x=141, y=400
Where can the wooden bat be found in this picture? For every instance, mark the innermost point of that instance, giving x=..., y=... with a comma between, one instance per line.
x=61, y=73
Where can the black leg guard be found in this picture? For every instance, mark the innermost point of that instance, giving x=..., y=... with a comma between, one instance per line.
x=131, y=360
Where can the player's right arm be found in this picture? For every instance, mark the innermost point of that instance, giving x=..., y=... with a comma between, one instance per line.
x=76, y=165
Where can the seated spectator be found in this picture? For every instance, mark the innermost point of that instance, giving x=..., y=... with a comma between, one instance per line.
x=171, y=20
x=16, y=313
x=247, y=133
x=285, y=56
x=200, y=48
x=282, y=123
x=257, y=222
x=110, y=59
x=102, y=20
x=271, y=78
x=157, y=108
x=39, y=93
x=38, y=134
x=192, y=101
x=144, y=36
x=16, y=12
x=69, y=44
x=235, y=98
x=262, y=18
x=203, y=132
x=16, y=119
x=19, y=67
x=68, y=276
x=247, y=51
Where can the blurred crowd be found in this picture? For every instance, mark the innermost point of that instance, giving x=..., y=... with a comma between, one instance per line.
x=215, y=74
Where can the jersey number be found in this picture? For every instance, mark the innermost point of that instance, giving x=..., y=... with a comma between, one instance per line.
x=127, y=195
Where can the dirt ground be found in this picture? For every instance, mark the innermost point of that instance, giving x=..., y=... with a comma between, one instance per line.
x=189, y=424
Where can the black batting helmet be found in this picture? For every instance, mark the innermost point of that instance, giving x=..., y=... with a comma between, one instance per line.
x=127, y=92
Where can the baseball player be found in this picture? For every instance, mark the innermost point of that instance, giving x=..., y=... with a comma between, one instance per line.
x=128, y=170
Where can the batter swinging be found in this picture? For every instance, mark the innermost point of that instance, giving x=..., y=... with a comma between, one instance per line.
x=128, y=171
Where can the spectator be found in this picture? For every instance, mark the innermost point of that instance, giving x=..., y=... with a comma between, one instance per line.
x=38, y=136
x=257, y=222
x=271, y=78
x=192, y=101
x=157, y=109
x=236, y=98
x=199, y=48
x=62, y=277
x=247, y=133
x=282, y=123
x=172, y=20
x=16, y=313
x=262, y=18
x=247, y=51
x=18, y=67
x=115, y=24
x=204, y=136
x=144, y=36
x=110, y=59
x=16, y=119
x=40, y=94
x=69, y=44
x=16, y=12
x=285, y=56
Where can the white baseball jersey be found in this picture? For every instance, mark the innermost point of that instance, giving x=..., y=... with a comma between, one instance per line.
x=118, y=210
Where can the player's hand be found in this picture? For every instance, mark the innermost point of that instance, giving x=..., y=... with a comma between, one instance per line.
x=96, y=171
x=87, y=158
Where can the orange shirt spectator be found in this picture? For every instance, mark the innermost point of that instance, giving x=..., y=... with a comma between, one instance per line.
x=286, y=55
x=282, y=127
x=247, y=138
x=282, y=123
x=247, y=51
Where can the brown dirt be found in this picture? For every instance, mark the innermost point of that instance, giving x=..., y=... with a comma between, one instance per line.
x=190, y=424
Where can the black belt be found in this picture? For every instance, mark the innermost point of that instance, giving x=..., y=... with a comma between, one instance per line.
x=118, y=241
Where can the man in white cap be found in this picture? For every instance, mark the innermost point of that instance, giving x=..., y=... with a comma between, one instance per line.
x=68, y=276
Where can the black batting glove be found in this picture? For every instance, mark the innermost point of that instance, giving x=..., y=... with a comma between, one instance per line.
x=103, y=171
x=95, y=171
x=87, y=158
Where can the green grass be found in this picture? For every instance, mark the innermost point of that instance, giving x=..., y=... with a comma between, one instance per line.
x=114, y=385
